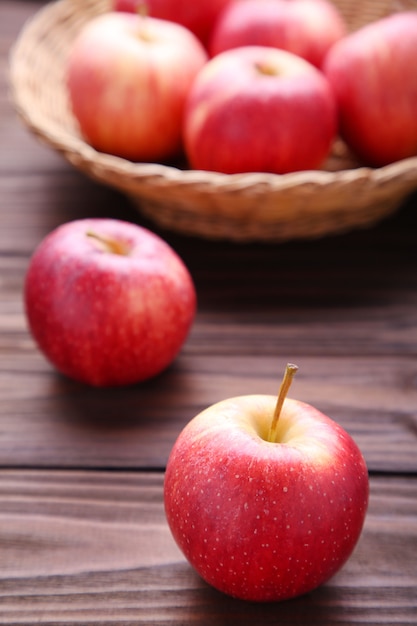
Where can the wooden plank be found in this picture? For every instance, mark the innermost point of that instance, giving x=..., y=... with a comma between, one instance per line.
x=366, y=267
x=49, y=421
x=94, y=548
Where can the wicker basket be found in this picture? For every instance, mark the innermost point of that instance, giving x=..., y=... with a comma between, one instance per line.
x=245, y=207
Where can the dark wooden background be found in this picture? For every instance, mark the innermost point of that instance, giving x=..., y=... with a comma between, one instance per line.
x=83, y=537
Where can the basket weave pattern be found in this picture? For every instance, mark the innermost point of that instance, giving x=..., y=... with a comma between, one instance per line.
x=245, y=207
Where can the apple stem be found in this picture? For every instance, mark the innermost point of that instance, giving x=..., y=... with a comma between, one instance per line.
x=289, y=374
x=143, y=9
x=108, y=244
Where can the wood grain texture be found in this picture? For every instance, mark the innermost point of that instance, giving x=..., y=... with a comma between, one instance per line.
x=83, y=536
x=94, y=548
x=49, y=421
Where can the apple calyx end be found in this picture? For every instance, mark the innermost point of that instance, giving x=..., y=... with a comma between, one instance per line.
x=108, y=244
x=290, y=371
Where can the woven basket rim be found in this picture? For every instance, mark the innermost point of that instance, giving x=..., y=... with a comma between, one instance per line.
x=171, y=172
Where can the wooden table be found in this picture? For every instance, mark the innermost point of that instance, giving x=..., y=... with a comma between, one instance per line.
x=83, y=537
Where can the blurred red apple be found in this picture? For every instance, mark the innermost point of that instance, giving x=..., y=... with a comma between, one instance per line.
x=373, y=72
x=128, y=77
x=197, y=15
x=266, y=500
x=108, y=302
x=259, y=109
x=307, y=28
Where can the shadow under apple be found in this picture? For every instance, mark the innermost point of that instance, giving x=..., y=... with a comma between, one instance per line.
x=117, y=427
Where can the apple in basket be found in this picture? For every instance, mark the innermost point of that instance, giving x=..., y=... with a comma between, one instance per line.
x=108, y=302
x=259, y=109
x=373, y=72
x=128, y=77
x=305, y=27
x=197, y=15
x=265, y=498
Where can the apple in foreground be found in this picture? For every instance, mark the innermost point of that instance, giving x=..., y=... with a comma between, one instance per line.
x=373, y=73
x=198, y=16
x=259, y=109
x=265, y=498
x=307, y=28
x=108, y=302
x=128, y=77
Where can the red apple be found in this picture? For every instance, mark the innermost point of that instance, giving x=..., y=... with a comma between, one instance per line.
x=108, y=302
x=307, y=28
x=259, y=109
x=263, y=512
x=128, y=77
x=198, y=16
x=373, y=73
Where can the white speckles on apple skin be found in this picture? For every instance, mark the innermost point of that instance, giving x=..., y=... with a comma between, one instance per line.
x=103, y=318
x=280, y=522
